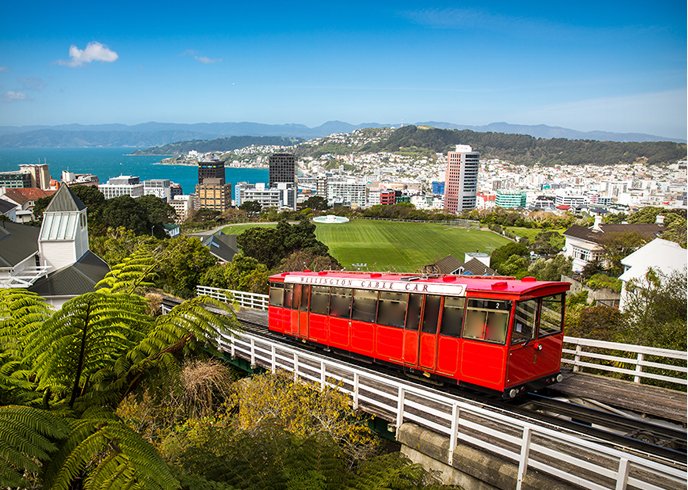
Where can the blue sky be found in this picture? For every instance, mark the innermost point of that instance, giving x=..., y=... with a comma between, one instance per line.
x=608, y=65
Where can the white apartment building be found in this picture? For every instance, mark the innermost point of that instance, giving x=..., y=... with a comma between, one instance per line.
x=124, y=185
x=183, y=205
x=568, y=197
x=347, y=192
x=265, y=196
x=158, y=187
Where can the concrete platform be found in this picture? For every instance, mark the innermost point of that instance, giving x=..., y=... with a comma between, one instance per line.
x=626, y=395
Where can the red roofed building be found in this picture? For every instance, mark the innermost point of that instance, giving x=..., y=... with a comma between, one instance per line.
x=24, y=200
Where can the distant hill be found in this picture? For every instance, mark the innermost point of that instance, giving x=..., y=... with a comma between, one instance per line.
x=523, y=149
x=156, y=134
x=219, y=144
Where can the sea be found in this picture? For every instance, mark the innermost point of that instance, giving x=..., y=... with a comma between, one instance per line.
x=112, y=162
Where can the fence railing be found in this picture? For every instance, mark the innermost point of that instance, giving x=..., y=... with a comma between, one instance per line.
x=527, y=443
x=627, y=359
x=580, y=354
x=254, y=301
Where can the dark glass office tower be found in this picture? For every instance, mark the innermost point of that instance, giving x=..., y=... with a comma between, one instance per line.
x=282, y=168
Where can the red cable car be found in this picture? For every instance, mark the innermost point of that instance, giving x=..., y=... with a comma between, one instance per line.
x=497, y=333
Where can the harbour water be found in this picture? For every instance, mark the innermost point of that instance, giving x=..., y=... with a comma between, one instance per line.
x=111, y=162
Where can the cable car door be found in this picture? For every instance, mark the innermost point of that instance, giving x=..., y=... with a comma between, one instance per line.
x=299, y=312
x=427, y=345
x=412, y=329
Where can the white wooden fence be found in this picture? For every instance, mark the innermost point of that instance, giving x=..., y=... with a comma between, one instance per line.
x=614, y=357
x=556, y=452
x=580, y=354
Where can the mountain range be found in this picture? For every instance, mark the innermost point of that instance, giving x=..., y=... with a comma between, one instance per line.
x=156, y=134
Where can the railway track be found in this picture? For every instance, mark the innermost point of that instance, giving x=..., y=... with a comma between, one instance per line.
x=628, y=433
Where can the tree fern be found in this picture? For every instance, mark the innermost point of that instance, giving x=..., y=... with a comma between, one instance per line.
x=87, y=335
x=104, y=453
x=27, y=438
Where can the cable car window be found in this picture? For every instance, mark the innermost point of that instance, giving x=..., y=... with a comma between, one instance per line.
x=524, y=321
x=288, y=295
x=392, y=309
x=340, y=302
x=320, y=300
x=487, y=320
x=413, y=315
x=306, y=290
x=452, y=316
x=431, y=313
x=276, y=294
x=364, y=305
x=296, y=300
x=551, y=315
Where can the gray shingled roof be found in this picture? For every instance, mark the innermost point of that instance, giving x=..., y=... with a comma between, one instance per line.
x=76, y=279
x=6, y=206
x=645, y=230
x=17, y=242
x=477, y=268
x=221, y=246
x=64, y=200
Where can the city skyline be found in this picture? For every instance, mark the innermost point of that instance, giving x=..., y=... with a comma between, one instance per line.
x=607, y=66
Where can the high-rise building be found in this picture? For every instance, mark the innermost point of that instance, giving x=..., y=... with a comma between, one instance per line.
x=214, y=194
x=461, y=181
x=212, y=190
x=40, y=175
x=214, y=169
x=282, y=168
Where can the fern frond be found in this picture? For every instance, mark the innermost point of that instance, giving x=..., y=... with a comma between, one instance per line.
x=27, y=438
x=21, y=314
x=109, y=455
x=132, y=275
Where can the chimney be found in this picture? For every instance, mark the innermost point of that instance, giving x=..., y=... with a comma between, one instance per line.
x=598, y=222
x=659, y=220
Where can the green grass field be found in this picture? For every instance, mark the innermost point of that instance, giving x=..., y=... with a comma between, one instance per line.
x=397, y=246
x=529, y=233
x=238, y=229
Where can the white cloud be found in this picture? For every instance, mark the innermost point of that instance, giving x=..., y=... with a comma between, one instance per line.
x=14, y=96
x=207, y=61
x=94, y=51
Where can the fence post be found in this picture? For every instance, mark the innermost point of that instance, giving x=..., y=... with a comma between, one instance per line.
x=253, y=353
x=576, y=359
x=232, y=340
x=638, y=367
x=622, y=474
x=453, y=438
x=355, y=391
x=400, y=409
x=322, y=375
x=523, y=460
x=273, y=359
x=296, y=367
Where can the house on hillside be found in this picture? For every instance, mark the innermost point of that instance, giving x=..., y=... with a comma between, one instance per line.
x=222, y=246
x=585, y=245
x=660, y=255
x=54, y=260
x=474, y=264
x=23, y=200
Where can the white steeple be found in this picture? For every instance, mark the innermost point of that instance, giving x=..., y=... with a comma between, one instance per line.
x=64, y=233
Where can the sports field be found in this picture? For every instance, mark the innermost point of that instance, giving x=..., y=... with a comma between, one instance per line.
x=397, y=246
